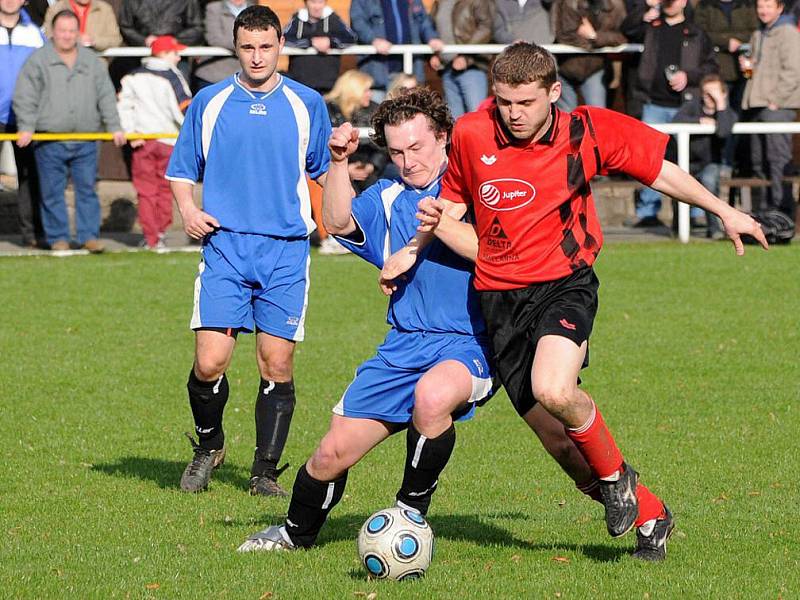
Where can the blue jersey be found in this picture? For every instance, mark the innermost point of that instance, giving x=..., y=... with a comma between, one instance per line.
x=252, y=151
x=437, y=295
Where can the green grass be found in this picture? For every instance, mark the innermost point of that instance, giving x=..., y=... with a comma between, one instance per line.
x=694, y=362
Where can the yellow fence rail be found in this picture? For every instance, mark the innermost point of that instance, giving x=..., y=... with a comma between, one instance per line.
x=85, y=137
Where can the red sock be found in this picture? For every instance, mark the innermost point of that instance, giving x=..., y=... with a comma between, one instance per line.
x=592, y=489
x=650, y=506
x=597, y=446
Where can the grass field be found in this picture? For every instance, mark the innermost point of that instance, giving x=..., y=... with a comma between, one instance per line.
x=694, y=362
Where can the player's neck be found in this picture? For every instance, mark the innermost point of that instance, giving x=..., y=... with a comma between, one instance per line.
x=9, y=20
x=254, y=86
x=544, y=128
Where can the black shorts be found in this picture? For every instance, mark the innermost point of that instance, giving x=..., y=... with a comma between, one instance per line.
x=518, y=318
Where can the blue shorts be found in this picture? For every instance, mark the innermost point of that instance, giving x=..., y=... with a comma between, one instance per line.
x=384, y=385
x=247, y=279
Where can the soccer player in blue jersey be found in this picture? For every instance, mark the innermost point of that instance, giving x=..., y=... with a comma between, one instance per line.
x=434, y=365
x=251, y=139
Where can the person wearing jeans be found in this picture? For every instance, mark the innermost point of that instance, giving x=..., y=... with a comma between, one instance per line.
x=56, y=161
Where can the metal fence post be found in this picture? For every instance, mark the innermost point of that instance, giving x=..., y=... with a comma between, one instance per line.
x=683, y=208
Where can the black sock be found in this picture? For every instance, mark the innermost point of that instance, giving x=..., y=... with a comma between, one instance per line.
x=311, y=502
x=425, y=460
x=207, y=399
x=274, y=408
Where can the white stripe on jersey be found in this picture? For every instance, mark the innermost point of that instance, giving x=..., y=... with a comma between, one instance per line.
x=303, y=120
x=196, y=322
x=27, y=35
x=388, y=196
x=210, y=115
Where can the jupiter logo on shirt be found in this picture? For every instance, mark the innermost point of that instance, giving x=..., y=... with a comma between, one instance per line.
x=258, y=109
x=506, y=194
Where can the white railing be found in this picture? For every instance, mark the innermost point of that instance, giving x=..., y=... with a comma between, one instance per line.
x=408, y=51
x=683, y=133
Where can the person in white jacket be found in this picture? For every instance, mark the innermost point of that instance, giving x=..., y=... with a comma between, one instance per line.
x=153, y=99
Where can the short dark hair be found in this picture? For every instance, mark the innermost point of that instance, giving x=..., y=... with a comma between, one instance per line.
x=407, y=105
x=257, y=18
x=522, y=63
x=64, y=13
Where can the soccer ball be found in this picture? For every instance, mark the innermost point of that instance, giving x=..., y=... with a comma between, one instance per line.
x=396, y=543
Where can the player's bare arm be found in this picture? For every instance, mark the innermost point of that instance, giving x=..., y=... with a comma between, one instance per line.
x=443, y=218
x=196, y=223
x=675, y=182
x=337, y=196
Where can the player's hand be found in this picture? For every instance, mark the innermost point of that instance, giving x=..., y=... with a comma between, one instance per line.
x=733, y=45
x=24, y=138
x=136, y=143
x=394, y=268
x=429, y=213
x=586, y=30
x=197, y=224
x=736, y=224
x=678, y=81
x=343, y=142
x=148, y=41
x=119, y=138
x=436, y=45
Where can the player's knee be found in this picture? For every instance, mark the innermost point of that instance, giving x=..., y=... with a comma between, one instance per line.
x=209, y=367
x=431, y=403
x=328, y=461
x=555, y=397
x=275, y=368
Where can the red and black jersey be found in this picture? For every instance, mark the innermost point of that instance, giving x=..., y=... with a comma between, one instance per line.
x=533, y=206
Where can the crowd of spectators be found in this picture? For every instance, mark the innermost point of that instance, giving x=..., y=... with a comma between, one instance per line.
x=710, y=61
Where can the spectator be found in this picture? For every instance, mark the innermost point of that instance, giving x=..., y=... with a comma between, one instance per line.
x=350, y=101
x=387, y=22
x=729, y=24
x=773, y=94
x=37, y=9
x=587, y=24
x=98, y=23
x=219, y=24
x=710, y=107
x=19, y=38
x=463, y=76
x=525, y=20
x=64, y=87
x=152, y=100
x=400, y=82
x=317, y=26
x=142, y=21
x=677, y=55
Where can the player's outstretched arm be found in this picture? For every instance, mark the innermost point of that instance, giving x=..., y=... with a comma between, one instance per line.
x=337, y=195
x=443, y=218
x=675, y=182
x=196, y=223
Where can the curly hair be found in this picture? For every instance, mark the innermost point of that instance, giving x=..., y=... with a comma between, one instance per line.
x=257, y=18
x=522, y=63
x=408, y=104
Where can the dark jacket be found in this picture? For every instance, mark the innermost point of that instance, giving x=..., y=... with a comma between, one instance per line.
x=36, y=10
x=709, y=17
x=706, y=149
x=367, y=151
x=606, y=16
x=465, y=22
x=180, y=18
x=697, y=56
x=317, y=71
x=367, y=20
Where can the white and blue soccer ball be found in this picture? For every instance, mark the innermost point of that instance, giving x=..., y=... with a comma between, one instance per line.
x=396, y=543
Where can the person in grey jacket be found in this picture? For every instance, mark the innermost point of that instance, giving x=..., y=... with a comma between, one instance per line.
x=220, y=16
x=64, y=87
x=773, y=95
x=526, y=20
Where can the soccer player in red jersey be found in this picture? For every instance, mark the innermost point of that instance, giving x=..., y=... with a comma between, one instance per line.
x=524, y=168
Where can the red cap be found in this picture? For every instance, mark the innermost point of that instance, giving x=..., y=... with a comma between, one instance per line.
x=165, y=43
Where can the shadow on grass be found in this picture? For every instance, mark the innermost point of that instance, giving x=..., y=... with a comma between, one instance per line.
x=166, y=474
